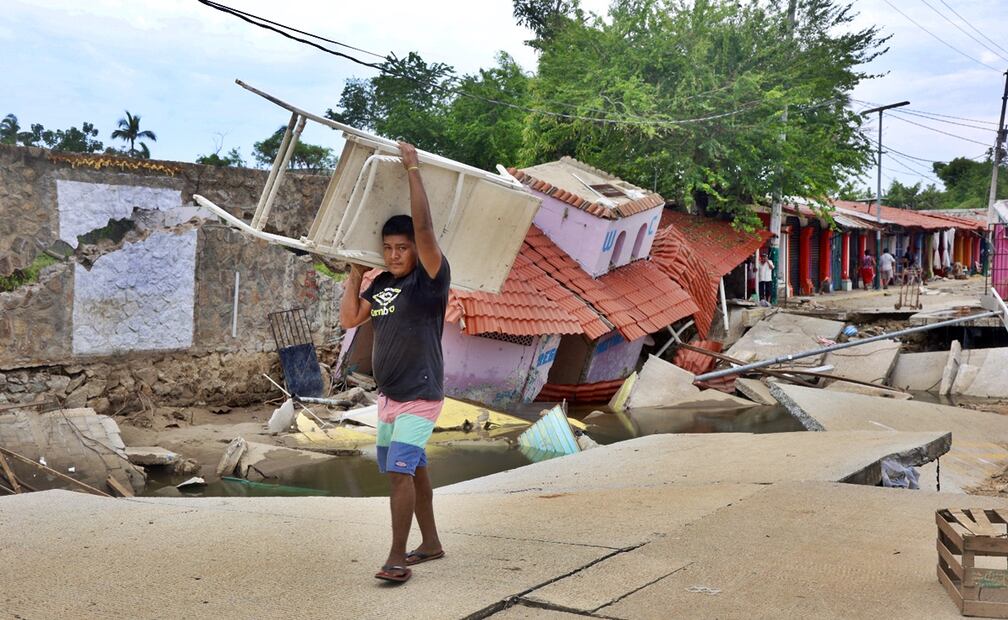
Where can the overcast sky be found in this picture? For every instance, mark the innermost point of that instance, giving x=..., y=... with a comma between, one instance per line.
x=174, y=62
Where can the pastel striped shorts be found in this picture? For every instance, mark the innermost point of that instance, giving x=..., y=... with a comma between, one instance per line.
x=403, y=431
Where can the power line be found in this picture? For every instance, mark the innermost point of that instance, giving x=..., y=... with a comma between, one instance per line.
x=949, y=45
x=967, y=22
x=926, y=113
x=936, y=130
x=943, y=16
x=940, y=120
x=280, y=29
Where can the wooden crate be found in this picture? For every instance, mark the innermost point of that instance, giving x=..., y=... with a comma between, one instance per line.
x=973, y=559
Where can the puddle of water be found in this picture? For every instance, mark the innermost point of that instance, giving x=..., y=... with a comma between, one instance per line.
x=357, y=476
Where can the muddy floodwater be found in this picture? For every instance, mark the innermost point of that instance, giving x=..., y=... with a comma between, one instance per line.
x=357, y=476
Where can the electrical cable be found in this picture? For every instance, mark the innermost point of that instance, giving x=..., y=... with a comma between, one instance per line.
x=961, y=29
x=936, y=130
x=925, y=113
x=967, y=22
x=279, y=29
x=949, y=45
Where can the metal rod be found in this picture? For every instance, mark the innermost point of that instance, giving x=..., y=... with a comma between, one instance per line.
x=50, y=470
x=237, y=223
x=234, y=309
x=271, y=179
x=291, y=147
x=724, y=305
x=843, y=345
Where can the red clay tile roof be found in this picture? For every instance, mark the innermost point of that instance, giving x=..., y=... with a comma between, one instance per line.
x=636, y=299
x=675, y=256
x=650, y=201
x=719, y=246
x=908, y=218
x=581, y=393
x=518, y=310
x=696, y=362
x=547, y=292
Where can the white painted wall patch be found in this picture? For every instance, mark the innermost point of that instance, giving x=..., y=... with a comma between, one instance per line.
x=84, y=207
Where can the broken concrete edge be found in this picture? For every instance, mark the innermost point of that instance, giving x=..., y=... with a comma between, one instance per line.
x=806, y=420
x=871, y=474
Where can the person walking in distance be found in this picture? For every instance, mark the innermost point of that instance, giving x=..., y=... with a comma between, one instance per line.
x=886, y=265
x=867, y=269
x=406, y=306
x=766, y=268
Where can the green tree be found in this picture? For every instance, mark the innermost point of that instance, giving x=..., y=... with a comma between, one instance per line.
x=308, y=157
x=913, y=196
x=967, y=182
x=9, y=128
x=690, y=98
x=129, y=131
x=231, y=158
x=408, y=100
x=544, y=17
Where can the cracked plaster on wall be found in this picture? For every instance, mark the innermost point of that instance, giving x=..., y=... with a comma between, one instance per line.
x=138, y=298
x=84, y=207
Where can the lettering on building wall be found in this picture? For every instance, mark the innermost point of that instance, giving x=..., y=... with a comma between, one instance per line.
x=610, y=240
x=546, y=357
x=652, y=224
x=609, y=343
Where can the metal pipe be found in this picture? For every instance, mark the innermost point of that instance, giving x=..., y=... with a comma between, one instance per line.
x=842, y=345
x=291, y=147
x=724, y=305
x=234, y=309
x=271, y=179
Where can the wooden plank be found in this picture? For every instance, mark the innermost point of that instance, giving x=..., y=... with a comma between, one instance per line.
x=987, y=609
x=1002, y=514
x=9, y=474
x=950, y=560
x=986, y=527
x=985, y=545
x=118, y=487
x=993, y=578
x=948, y=530
x=950, y=587
x=964, y=520
x=969, y=590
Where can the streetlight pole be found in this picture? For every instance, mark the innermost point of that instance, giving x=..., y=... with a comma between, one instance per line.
x=878, y=191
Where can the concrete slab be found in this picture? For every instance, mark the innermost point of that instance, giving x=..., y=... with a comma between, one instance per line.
x=228, y=561
x=983, y=373
x=522, y=612
x=740, y=458
x=871, y=362
x=785, y=333
x=918, y=372
x=928, y=317
x=804, y=550
x=152, y=455
x=950, y=369
x=661, y=384
x=867, y=390
x=978, y=437
x=755, y=390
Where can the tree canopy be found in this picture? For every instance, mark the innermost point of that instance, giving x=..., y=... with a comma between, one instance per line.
x=72, y=139
x=129, y=131
x=308, y=157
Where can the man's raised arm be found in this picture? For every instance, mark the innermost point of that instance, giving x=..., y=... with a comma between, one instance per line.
x=423, y=227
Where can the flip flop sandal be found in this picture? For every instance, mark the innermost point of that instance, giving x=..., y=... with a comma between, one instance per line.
x=389, y=573
x=420, y=557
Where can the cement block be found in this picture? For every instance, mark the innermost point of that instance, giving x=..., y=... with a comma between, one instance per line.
x=950, y=369
x=871, y=362
x=978, y=437
x=755, y=390
x=857, y=388
x=661, y=384
x=151, y=456
x=983, y=373
x=918, y=372
x=785, y=333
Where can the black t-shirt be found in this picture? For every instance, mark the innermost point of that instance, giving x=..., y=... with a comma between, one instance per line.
x=408, y=318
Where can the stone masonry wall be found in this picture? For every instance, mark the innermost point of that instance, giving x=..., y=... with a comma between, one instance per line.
x=148, y=314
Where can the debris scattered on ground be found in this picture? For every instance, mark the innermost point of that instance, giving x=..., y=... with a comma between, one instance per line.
x=263, y=461
x=152, y=455
x=195, y=481
x=282, y=418
x=550, y=436
x=232, y=454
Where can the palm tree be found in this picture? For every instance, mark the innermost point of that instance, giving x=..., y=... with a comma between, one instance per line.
x=129, y=130
x=9, y=128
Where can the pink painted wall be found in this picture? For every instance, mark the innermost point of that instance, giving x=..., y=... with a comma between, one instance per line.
x=999, y=261
x=590, y=240
x=613, y=358
x=494, y=372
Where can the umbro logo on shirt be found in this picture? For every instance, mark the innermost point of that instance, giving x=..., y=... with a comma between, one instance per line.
x=384, y=298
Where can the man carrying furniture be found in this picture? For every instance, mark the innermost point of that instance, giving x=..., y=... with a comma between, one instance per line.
x=406, y=306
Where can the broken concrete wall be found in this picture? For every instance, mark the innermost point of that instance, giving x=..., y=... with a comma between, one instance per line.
x=163, y=287
x=613, y=358
x=495, y=372
x=74, y=442
x=32, y=179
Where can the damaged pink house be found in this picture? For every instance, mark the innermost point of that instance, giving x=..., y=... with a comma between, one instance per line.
x=577, y=306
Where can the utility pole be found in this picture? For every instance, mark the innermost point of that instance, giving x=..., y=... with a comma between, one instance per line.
x=878, y=192
x=775, y=208
x=998, y=146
